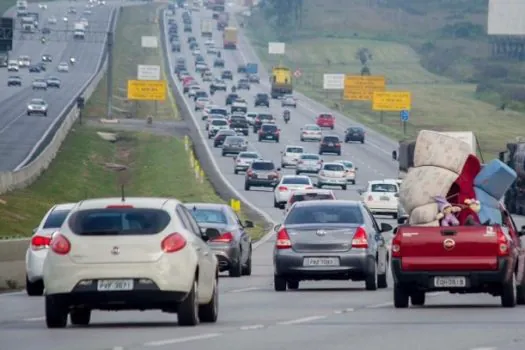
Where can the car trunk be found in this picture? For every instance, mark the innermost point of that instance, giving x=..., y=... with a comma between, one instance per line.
x=314, y=238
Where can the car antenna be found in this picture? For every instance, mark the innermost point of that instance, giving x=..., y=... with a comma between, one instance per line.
x=122, y=193
x=194, y=208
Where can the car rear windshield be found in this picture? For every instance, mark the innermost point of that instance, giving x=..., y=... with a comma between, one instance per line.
x=269, y=127
x=310, y=197
x=234, y=140
x=265, y=116
x=325, y=116
x=219, y=122
x=296, y=181
x=326, y=214
x=209, y=216
x=249, y=155
x=312, y=127
x=390, y=188
x=219, y=111
x=333, y=139
x=294, y=150
x=56, y=219
x=263, y=166
x=118, y=221
x=310, y=157
x=334, y=167
x=356, y=130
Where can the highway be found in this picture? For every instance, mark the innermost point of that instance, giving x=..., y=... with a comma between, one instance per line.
x=333, y=315
x=20, y=133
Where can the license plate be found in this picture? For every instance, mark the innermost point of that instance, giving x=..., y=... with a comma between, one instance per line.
x=450, y=282
x=114, y=285
x=331, y=144
x=269, y=137
x=321, y=262
x=384, y=198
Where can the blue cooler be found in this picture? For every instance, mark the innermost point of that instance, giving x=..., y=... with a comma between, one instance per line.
x=495, y=178
x=489, y=210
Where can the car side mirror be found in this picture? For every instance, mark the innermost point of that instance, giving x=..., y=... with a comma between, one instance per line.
x=394, y=155
x=522, y=232
x=36, y=228
x=248, y=224
x=402, y=220
x=385, y=227
x=210, y=234
x=277, y=227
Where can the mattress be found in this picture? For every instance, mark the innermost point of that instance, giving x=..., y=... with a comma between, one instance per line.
x=495, y=178
x=490, y=207
x=435, y=149
x=423, y=214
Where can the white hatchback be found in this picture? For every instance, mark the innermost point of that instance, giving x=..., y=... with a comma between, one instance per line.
x=309, y=163
x=290, y=155
x=132, y=254
x=287, y=185
x=243, y=161
x=332, y=174
x=381, y=197
x=311, y=132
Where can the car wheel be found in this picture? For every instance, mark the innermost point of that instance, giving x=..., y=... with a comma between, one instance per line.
x=508, y=293
x=235, y=171
x=302, y=139
x=45, y=114
x=293, y=285
x=188, y=311
x=275, y=203
x=34, y=289
x=246, y=187
x=223, y=154
x=353, y=182
x=400, y=297
x=520, y=294
x=247, y=268
x=297, y=172
x=339, y=153
x=319, y=185
x=417, y=298
x=371, y=278
x=210, y=312
x=56, y=312
x=80, y=316
x=382, y=281
x=395, y=216
x=344, y=187
x=236, y=268
x=362, y=141
x=260, y=139
x=279, y=283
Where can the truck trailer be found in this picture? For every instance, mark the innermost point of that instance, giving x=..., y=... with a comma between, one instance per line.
x=281, y=81
x=229, y=38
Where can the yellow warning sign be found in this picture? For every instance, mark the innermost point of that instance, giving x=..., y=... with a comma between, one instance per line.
x=147, y=90
x=392, y=101
x=235, y=204
x=362, y=88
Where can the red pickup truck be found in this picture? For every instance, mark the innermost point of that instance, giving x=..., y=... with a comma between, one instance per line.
x=458, y=259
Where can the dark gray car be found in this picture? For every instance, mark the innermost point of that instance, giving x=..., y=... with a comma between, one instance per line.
x=234, y=145
x=234, y=247
x=262, y=173
x=330, y=240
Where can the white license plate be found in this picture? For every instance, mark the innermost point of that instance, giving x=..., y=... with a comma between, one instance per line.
x=114, y=285
x=450, y=282
x=321, y=262
x=384, y=198
x=269, y=137
x=331, y=144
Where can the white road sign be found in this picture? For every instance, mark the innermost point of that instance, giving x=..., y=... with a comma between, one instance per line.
x=506, y=17
x=149, y=41
x=148, y=72
x=276, y=48
x=333, y=81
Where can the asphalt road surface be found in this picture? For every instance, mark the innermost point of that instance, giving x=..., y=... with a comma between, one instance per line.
x=20, y=133
x=330, y=315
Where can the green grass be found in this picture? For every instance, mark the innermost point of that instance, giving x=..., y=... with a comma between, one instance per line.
x=439, y=103
x=134, y=22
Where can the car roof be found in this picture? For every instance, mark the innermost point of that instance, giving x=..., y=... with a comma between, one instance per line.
x=386, y=181
x=331, y=203
x=216, y=206
x=293, y=146
x=64, y=206
x=332, y=163
x=313, y=190
x=136, y=202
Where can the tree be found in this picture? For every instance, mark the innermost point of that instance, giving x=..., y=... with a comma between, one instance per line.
x=364, y=55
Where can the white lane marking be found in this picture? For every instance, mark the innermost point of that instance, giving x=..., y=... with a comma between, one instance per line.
x=182, y=340
x=484, y=348
x=350, y=309
x=34, y=319
x=118, y=348
x=251, y=327
x=301, y=320
x=377, y=306
x=243, y=290
x=10, y=294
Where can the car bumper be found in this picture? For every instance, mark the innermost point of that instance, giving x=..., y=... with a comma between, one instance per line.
x=269, y=137
x=325, y=125
x=376, y=207
x=338, y=181
x=289, y=161
x=307, y=169
x=241, y=167
x=262, y=182
x=352, y=265
x=226, y=255
x=35, y=264
x=330, y=150
x=234, y=150
x=354, y=139
x=311, y=137
x=282, y=197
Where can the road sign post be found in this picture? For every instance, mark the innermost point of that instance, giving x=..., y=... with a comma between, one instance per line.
x=404, y=116
x=149, y=72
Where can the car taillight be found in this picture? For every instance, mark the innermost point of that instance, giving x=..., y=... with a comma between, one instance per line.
x=282, y=188
x=226, y=237
x=40, y=242
x=396, y=246
x=370, y=198
x=283, y=240
x=59, y=244
x=337, y=145
x=173, y=243
x=503, y=243
x=300, y=162
x=360, y=239
x=249, y=173
x=321, y=173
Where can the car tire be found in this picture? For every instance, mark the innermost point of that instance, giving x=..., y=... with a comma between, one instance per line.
x=275, y=203
x=235, y=171
x=382, y=281
x=395, y=216
x=371, y=278
x=247, y=268
x=279, y=283
x=246, y=187
x=353, y=182
x=520, y=294
x=235, y=269
x=417, y=298
x=344, y=187
x=332, y=127
x=302, y=139
x=259, y=139
x=224, y=154
x=34, y=289
x=80, y=316
x=297, y=172
x=188, y=311
x=362, y=141
x=293, y=285
x=508, y=293
x=45, y=114
x=209, y=312
x=401, y=297
x=56, y=312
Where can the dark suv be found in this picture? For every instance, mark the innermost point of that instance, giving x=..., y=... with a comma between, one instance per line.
x=221, y=136
x=269, y=132
x=227, y=75
x=231, y=98
x=330, y=144
x=262, y=100
x=260, y=119
x=262, y=173
x=355, y=133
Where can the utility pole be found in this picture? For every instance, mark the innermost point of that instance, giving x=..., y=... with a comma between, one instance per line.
x=110, y=76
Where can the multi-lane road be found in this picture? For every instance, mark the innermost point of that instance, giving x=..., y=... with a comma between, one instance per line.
x=19, y=133
x=331, y=315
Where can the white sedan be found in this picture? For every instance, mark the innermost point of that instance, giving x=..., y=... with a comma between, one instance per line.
x=289, y=101
x=132, y=254
x=351, y=170
x=201, y=103
x=63, y=67
x=311, y=132
x=332, y=174
x=287, y=185
x=381, y=197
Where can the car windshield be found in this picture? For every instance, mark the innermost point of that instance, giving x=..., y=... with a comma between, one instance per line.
x=310, y=197
x=56, y=219
x=325, y=214
x=265, y=116
x=209, y=216
x=299, y=180
x=312, y=127
x=347, y=164
x=249, y=155
x=37, y=102
x=118, y=221
x=263, y=166
x=325, y=116
x=334, y=167
x=390, y=188
x=310, y=157
x=333, y=139
x=234, y=140
x=294, y=150
x=219, y=122
x=269, y=127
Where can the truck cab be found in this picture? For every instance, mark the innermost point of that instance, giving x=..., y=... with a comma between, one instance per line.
x=281, y=82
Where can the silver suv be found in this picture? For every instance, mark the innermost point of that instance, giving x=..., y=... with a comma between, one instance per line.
x=37, y=106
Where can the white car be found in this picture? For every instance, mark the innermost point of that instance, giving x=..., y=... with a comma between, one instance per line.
x=332, y=174
x=42, y=6
x=287, y=185
x=212, y=50
x=52, y=20
x=207, y=76
x=24, y=61
x=201, y=103
x=250, y=117
x=63, y=67
x=196, y=52
x=37, y=251
x=290, y=155
x=311, y=132
x=308, y=195
x=193, y=90
x=239, y=106
x=351, y=170
x=209, y=43
x=216, y=125
x=381, y=197
x=137, y=253
x=243, y=161
x=12, y=66
x=37, y=106
x=289, y=101
x=308, y=163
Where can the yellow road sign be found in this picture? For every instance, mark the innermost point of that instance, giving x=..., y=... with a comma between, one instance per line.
x=392, y=101
x=361, y=88
x=235, y=204
x=147, y=90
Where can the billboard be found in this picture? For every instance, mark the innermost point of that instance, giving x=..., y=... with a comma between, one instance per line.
x=506, y=17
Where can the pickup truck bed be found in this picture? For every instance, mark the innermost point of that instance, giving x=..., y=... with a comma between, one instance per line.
x=460, y=259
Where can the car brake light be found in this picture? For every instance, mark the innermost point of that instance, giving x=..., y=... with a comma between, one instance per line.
x=119, y=206
x=173, y=243
x=396, y=246
x=503, y=243
x=226, y=237
x=60, y=244
x=360, y=239
x=370, y=198
x=282, y=188
x=283, y=240
x=40, y=242
x=249, y=173
x=309, y=188
x=337, y=145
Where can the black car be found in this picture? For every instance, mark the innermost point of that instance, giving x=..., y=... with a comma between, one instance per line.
x=241, y=68
x=230, y=98
x=193, y=45
x=269, y=132
x=355, y=133
x=221, y=136
x=262, y=100
x=330, y=144
x=261, y=173
x=34, y=68
x=14, y=81
x=187, y=28
x=46, y=31
x=175, y=47
x=218, y=63
x=47, y=58
x=240, y=125
x=53, y=82
x=41, y=66
x=243, y=84
x=199, y=94
x=191, y=39
x=227, y=75
x=262, y=118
